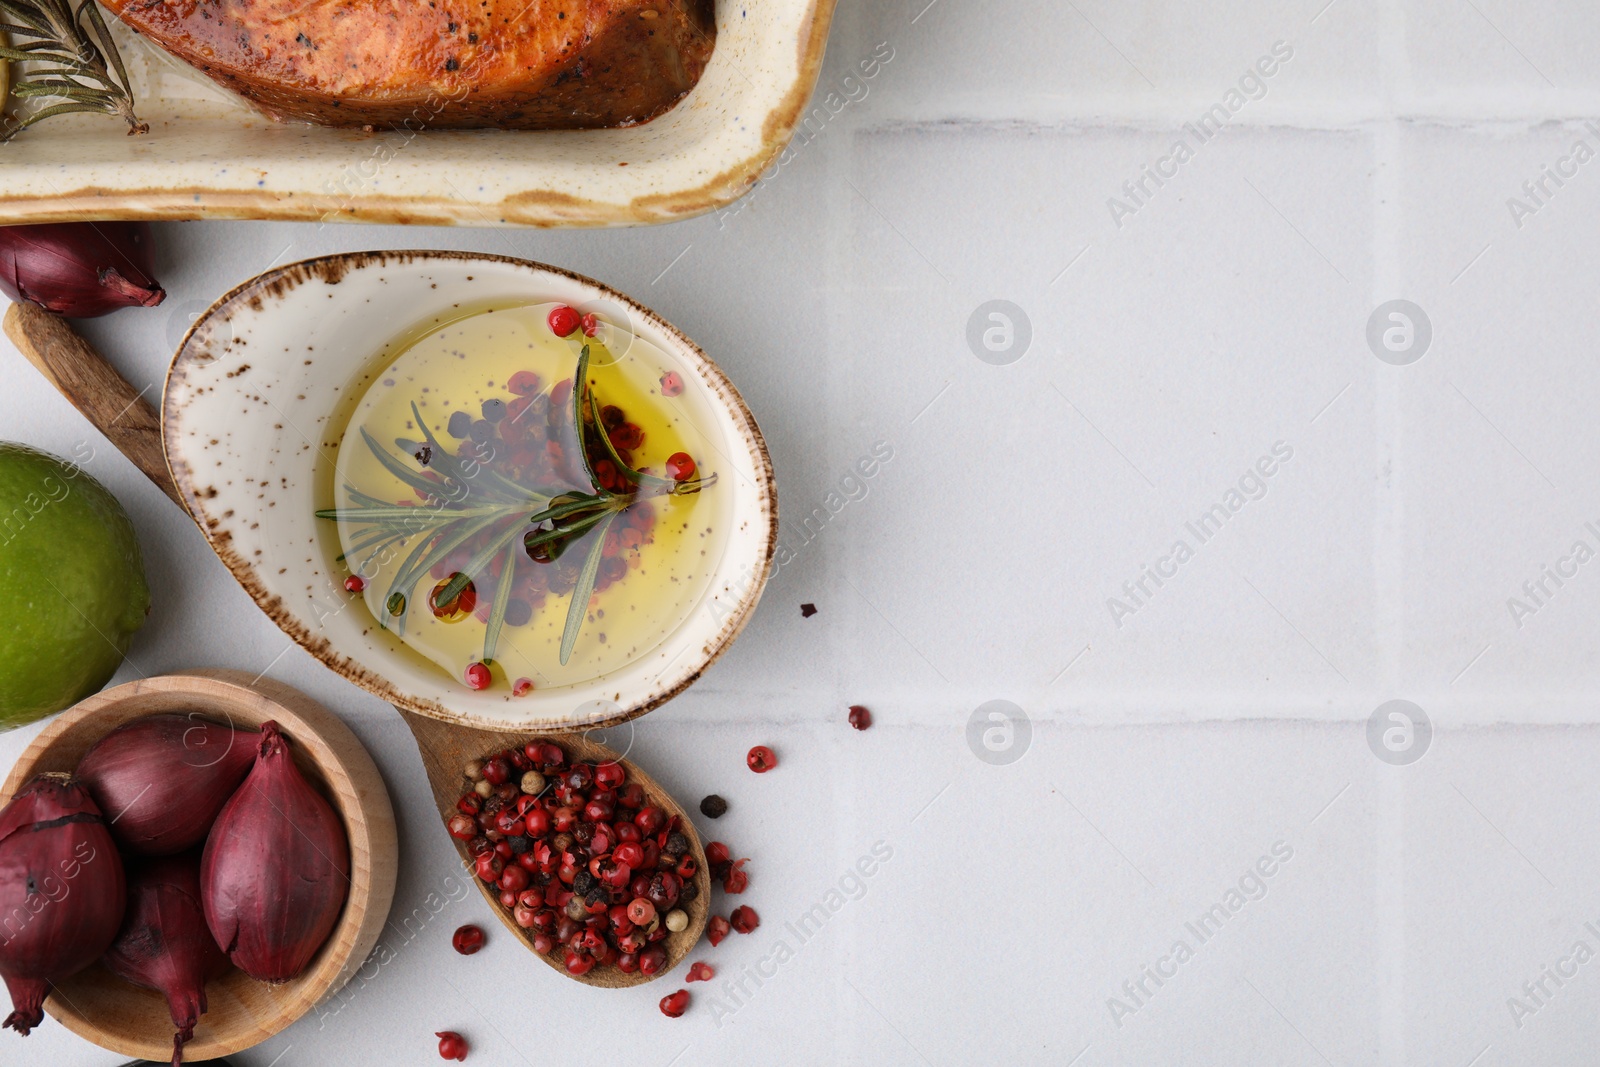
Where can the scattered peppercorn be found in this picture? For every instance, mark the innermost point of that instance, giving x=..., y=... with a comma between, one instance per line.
x=744, y=919
x=467, y=940
x=713, y=807
x=860, y=717
x=452, y=1046
x=735, y=880
x=700, y=972
x=761, y=759
x=807, y=610
x=355, y=583
x=675, y=1004
x=717, y=929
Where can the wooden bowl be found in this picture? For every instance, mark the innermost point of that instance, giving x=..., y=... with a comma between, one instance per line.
x=446, y=750
x=115, y=1015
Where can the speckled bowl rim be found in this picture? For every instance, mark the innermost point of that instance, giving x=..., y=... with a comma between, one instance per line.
x=270, y=603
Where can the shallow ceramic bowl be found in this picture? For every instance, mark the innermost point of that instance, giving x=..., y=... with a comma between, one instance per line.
x=250, y=413
x=97, y=1005
x=209, y=155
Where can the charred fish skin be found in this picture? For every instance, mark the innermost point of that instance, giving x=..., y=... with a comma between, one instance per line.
x=441, y=64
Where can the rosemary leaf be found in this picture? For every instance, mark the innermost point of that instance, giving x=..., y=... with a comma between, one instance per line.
x=497, y=611
x=26, y=13
x=579, y=608
x=423, y=545
x=490, y=481
x=580, y=390
x=65, y=90
x=107, y=44
x=443, y=458
x=399, y=469
x=561, y=511
x=563, y=533
x=41, y=115
x=416, y=519
x=449, y=539
x=638, y=477
x=478, y=562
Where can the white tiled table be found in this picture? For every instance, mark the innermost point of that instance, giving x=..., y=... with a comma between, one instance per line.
x=1227, y=713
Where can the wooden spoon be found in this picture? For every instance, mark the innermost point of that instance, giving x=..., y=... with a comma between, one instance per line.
x=129, y=421
x=447, y=749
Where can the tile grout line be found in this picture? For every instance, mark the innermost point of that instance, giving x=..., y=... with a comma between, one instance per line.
x=1388, y=277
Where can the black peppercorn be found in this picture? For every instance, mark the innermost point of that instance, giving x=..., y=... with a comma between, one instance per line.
x=519, y=845
x=583, y=882
x=713, y=807
x=677, y=844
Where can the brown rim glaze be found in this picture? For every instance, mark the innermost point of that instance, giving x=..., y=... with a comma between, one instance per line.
x=333, y=267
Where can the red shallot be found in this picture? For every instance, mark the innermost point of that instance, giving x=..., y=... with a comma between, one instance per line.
x=276, y=868
x=164, y=943
x=162, y=779
x=61, y=891
x=80, y=269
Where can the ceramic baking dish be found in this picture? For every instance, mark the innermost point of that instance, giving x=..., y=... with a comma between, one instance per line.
x=209, y=155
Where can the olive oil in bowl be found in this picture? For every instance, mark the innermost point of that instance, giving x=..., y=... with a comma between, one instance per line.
x=511, y=462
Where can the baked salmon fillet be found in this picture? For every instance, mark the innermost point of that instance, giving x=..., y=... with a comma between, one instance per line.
x=441, y=64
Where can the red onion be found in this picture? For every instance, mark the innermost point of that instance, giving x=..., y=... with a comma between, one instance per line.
x=165, y=945
x=61, y=891
x=163, y=779
x=80, y=269
x=276, y=868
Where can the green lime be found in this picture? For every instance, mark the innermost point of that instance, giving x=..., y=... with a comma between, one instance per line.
x=72, y=588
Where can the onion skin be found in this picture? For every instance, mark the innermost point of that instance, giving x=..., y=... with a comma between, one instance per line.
x=164, y=779
x=276, y=869
x=61, y=891
x=164, y=943
x=80, y=269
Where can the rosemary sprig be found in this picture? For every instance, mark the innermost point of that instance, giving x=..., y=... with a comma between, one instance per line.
x=72, y=59
x=464, y=499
